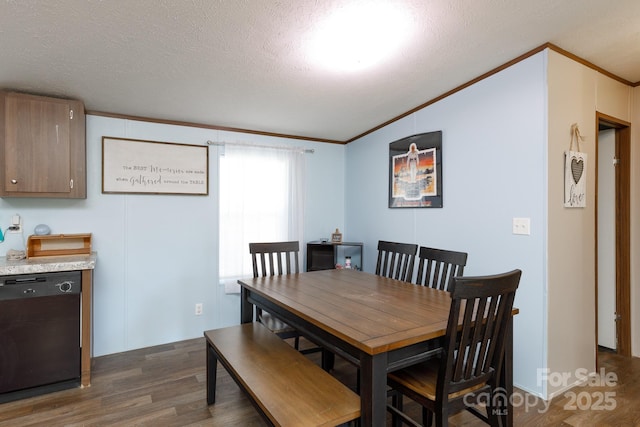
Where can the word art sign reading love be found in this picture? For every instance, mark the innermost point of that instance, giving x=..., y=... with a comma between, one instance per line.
x=575, y=178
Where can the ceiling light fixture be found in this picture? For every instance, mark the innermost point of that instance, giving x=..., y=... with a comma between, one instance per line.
x=360, y=35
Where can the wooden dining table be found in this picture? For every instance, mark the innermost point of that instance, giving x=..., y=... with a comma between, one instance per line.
x=376, y=323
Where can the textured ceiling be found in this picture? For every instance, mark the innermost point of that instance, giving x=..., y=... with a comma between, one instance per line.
x=243, y=64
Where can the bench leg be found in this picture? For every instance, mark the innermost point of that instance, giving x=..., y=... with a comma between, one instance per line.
x=212, y=370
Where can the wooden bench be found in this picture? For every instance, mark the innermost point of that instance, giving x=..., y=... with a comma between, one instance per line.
x=286, y=387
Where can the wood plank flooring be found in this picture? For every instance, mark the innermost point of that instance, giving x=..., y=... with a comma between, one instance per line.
x=165, y=386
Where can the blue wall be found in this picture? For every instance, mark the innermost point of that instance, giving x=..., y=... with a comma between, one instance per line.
x=158, y=254
x=494, y=139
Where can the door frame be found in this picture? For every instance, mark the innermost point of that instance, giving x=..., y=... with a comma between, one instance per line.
x=623, y=230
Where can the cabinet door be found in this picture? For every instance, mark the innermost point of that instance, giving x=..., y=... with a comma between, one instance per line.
x=37, y=149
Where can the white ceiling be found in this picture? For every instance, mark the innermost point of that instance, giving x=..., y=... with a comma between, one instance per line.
x=243, y=64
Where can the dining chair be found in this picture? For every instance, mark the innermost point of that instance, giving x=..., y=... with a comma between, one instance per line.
x=396, y=260
x=437, y=267
x=468, y=365
x=277, y=258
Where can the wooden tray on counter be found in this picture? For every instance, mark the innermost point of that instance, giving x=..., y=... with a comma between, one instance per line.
x=58, y=244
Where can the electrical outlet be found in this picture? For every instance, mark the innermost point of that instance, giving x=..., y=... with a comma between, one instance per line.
x=198, y=309
x=16, y=224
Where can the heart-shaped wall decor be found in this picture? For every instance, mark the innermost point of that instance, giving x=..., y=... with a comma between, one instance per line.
x=577, y=166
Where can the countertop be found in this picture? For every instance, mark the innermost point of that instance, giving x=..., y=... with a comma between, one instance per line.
x=47, y=264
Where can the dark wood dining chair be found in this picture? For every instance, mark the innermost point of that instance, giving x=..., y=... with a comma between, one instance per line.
x=271, y=259
x=437, y=267
x=469, y=364
x=396, y=260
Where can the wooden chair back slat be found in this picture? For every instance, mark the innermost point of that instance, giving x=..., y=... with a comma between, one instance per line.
x=396, y=260
x=436, y=267
x=275, y=258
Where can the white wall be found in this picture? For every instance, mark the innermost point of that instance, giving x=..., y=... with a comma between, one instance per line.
x=571, y=252
x=158, y=254
x=494, y=169
x=576, y=93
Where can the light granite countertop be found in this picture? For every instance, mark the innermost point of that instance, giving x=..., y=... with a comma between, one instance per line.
x=47, y=264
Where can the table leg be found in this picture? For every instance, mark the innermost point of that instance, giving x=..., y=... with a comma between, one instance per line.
x=506, y=378
x=328, y=360
x=246, y=308
x=373, y=390
x=212, y=370
x=508, y=372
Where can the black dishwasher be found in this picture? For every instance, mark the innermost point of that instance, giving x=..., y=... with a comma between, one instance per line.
x=39, y=333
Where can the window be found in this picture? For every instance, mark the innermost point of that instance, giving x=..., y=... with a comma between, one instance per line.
x=261, y=200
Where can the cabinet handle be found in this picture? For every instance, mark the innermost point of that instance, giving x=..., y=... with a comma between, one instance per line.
x=14, y=181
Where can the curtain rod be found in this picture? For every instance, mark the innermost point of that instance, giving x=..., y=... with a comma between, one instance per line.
x=249, y=144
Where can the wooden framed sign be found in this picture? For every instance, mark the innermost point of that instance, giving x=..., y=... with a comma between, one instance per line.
x=152, y=167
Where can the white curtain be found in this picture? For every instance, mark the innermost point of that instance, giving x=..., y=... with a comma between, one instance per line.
x=261, y=200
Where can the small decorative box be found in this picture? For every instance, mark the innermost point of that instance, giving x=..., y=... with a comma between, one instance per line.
x=58, y=244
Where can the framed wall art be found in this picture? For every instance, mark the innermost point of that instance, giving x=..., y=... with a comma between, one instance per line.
x=415, y=171
x=151, y=167
x=575, y=172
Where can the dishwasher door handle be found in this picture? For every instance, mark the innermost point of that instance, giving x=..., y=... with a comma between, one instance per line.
x=23, y=281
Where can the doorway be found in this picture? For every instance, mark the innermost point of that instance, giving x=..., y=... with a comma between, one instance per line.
x=612, y=235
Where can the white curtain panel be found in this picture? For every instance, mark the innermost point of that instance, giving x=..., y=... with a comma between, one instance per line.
x=261, y=200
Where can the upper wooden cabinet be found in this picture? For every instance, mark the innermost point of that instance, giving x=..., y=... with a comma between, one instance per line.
x=42, y=147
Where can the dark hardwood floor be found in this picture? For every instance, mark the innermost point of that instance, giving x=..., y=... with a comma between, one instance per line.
x=165, y=386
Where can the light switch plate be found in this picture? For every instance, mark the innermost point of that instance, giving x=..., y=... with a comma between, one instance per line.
x=522, y=226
